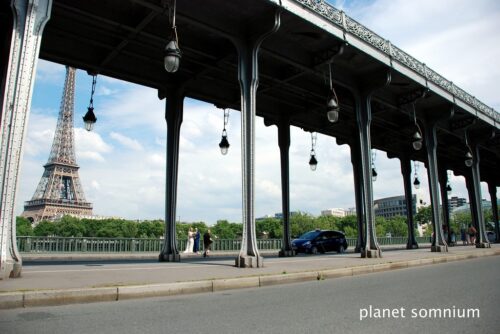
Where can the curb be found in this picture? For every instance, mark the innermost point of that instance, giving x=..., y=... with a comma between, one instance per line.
x=10, y=300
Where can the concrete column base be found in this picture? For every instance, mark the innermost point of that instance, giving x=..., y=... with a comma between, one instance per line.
x=170, y=258
x=439, y=248
x=371, y=253
x=11, y=270
x=483, y=245
x=249, y=262
x=286, y=253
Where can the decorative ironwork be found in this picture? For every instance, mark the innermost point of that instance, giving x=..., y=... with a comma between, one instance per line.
x=59, y=190
x=350, y=25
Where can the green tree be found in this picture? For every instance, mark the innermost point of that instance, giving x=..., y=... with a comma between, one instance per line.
x=380, y=225
x=424, y=215
x=70, y=227
x=23, y=227
x=272, y=226
x=397, y=226
x=151, y=229
x=301, y=223
x=226, y=230
x=45, y=228
x=462, y=217
x=128, y=229
x=349, y=224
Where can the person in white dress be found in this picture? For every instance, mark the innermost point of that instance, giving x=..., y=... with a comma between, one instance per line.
x=190, y=241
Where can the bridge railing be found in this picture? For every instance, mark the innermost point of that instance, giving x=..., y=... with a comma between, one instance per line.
x=351, y=26
x=116, y=245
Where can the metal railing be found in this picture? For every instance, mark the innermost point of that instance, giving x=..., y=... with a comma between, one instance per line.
x=352, y=27
x=122, y=245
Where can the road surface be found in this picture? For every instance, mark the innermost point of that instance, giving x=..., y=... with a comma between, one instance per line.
x=407, y=301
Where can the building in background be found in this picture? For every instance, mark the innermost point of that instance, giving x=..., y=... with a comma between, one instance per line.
x=335, y=212
x=350, y=211
x=396, y=205
x=456, y=202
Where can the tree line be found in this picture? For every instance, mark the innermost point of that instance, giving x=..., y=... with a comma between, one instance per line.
x=69, y=226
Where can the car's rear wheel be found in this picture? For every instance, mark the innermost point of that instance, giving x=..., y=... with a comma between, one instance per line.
x=341, y=249
x=314, y=250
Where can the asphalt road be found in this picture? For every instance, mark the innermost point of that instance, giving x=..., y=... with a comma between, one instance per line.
x=328, y=306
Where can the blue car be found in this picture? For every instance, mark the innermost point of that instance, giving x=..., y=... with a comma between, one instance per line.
x=319, y=241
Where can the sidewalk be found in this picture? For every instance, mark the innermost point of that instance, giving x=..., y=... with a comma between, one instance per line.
x=110, y=278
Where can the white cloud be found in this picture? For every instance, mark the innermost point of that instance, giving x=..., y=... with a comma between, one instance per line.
x=48, y=72
x=40, y=134
x=105, y=91
x=130, y=143
x=94, y=184
x=90, y=145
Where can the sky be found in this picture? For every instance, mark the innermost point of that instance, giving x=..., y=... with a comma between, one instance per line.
x=122, y=162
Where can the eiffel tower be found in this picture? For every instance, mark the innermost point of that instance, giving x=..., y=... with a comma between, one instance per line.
x=59, y=192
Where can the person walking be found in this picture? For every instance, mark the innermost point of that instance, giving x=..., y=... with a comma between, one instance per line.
x=207, y=242
x=472, y=234
x=196, y=247
x=462, y=236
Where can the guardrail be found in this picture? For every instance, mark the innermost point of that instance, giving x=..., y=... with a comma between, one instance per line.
x=119, y=245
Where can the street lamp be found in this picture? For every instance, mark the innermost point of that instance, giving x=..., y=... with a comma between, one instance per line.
x=332, y=103
x=417, y=141
x=313, y=163
x=89, y=119
x=224, y=143
x=416, y=182
x=172, y=53
x=374, y=171
x=468, y=159
x=448, y=186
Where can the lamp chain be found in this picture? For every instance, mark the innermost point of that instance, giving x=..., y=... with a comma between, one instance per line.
x=314, y=138
x=226, y=120
x=94, y=81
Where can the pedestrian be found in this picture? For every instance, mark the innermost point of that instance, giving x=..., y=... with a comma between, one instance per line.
x=472, y=234
x=207, y=242
x=462, y=236
x=453, y=238
x=196, y=247
x=190, y=241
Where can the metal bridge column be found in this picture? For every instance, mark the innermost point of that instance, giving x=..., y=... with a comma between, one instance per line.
x=443, y=182
x=406, y=171
x=28, y=19
x=469, y=183
x=284, y=144
x=430, y=123
x=173, y=115
x=482, y=240
x=492, y=189
x=248, y=76
x=370, y=248
x=358, y=191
